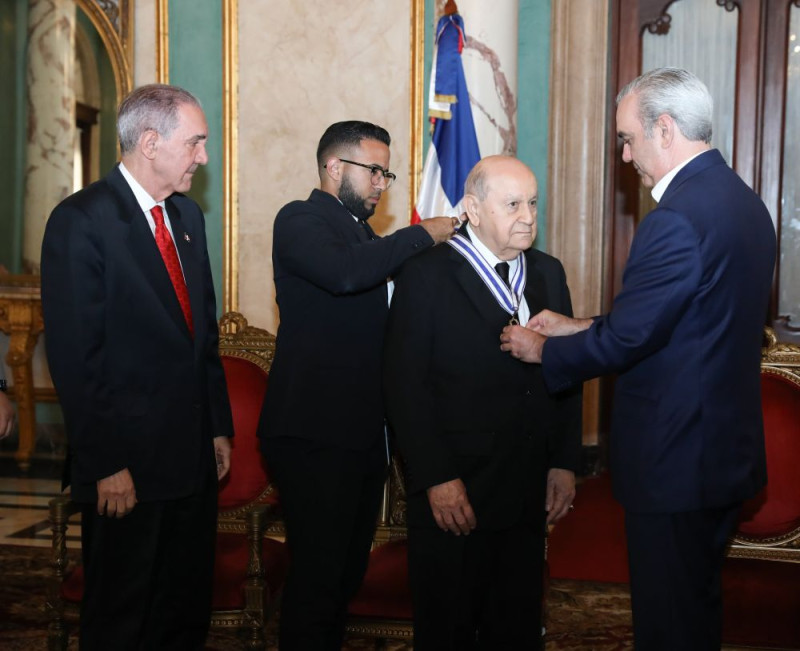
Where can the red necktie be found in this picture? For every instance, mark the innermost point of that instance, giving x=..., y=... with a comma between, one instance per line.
x=170, y=256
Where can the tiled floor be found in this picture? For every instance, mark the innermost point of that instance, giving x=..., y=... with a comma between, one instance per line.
x=24, y=512
x=582, y=615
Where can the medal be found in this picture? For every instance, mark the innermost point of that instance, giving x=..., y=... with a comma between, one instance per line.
x=507, y=297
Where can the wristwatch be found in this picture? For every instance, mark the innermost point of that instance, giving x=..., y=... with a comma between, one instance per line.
x=3, y=386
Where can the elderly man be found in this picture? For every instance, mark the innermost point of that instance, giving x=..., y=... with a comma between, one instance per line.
x=132, y=347
x=684, y=334
x=322, y=424
x=490, y=455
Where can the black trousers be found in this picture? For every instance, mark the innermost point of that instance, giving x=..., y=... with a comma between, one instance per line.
x=149, y=575
x=330, y=499
x=676, y=577
x=480, y=591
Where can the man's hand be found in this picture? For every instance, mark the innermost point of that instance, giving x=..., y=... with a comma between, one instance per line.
x=440, y=228
x=7, y=415
x=451, y=508
x=522, y=343
x=560, y=493
x=222, y=451
x=116, y=494
x=552, y=324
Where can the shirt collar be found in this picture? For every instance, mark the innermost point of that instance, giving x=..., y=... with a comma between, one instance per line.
x=143, y=198
x=486, y=254
x=661, y=187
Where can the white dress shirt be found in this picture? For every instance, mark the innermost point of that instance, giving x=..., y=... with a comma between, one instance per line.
x=524, y=311
x=146, y=203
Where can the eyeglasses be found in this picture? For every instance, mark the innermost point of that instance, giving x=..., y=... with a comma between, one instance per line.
x=377, y=172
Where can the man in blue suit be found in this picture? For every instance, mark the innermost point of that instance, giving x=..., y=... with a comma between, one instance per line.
x=684, y=335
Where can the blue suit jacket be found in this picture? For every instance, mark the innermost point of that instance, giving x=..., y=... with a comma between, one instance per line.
x=684, y=334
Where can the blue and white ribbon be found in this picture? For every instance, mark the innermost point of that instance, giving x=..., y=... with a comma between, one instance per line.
x=508, y=299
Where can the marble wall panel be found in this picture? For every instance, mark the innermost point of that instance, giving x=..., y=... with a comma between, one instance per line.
x=490, y=66
x=576, y=189
x=51, y=118
x=144, y=34
x=303, y=66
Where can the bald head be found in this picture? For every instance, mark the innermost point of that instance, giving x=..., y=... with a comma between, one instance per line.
x=500, y=199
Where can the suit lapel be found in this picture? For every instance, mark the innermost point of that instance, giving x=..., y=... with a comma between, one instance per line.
x=341, y=219
x=535, y=287
x=478, y=294
x=144, y=250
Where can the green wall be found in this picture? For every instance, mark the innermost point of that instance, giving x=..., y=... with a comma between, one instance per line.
x=13, y=119
x=533, y=98
x=532, y=89
x=195, y=63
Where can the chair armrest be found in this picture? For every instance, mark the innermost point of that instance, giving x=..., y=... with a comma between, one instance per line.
x=62, y=508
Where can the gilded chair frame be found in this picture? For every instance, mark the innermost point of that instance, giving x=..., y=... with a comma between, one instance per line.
x=256, y=520
x=391, y=526
x=782, y=360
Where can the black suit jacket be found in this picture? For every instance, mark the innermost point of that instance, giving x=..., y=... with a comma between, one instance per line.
x=136, y=390
x=330, y=282
x=459, y=406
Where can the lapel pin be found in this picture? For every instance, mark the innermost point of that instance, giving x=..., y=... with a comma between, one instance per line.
x=186, y=237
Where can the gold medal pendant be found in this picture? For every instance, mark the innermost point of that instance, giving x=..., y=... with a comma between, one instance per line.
x=514, y=320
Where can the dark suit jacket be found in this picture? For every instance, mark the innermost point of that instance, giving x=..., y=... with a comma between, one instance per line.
x=685, y=335
x=330, y=282
x=459, y=406
x=135, y=389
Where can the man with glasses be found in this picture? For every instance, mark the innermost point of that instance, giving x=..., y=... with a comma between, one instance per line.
x=322, y=424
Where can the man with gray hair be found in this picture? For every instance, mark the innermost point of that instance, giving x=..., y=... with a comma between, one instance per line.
x=684, y=335
x=130, y=317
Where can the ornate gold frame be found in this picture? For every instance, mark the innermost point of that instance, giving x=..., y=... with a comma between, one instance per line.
x=162, y=41
x=417, y=104
x=118, y=39
x=230, y=156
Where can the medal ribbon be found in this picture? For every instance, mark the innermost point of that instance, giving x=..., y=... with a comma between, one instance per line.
x=508, y=299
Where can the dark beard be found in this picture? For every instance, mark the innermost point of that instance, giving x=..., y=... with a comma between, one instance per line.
x=355, y=204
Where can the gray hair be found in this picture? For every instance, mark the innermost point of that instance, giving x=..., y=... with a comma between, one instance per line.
x=677, y=93
x=153, y=107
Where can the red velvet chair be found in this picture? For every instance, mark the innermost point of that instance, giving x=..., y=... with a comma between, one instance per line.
x=250, y=567
x=382, y=607
x=761, y=576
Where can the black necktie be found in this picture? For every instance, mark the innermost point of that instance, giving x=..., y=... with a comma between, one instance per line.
x=502, y=269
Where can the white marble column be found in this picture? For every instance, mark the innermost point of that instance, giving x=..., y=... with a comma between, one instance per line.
x=576, y=182
x=51, y=117
x=490, y=67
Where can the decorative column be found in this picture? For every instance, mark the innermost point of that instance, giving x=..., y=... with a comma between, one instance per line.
x=575, y=187
x=490, y=66
x=51, y=118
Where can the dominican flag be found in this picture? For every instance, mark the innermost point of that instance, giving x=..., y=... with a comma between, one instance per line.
x=454, y=147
